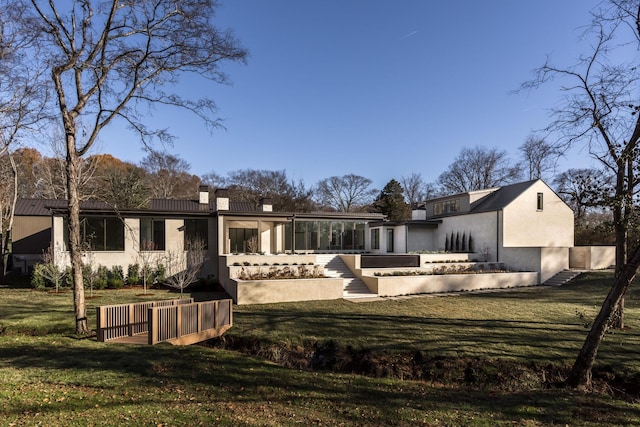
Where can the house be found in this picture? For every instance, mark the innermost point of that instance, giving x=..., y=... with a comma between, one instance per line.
x=525, y=226
x=120, y=237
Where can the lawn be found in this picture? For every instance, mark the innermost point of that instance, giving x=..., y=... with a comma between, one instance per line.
x=48, y=376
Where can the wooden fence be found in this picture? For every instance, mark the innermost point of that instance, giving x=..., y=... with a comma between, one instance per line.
x=189, y=323
x=127, y=320
x=180, y=322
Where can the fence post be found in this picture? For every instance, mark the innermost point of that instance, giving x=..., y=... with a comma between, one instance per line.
x=199, y=317
x=178, y=320
x=153, y=325
x=131, y=310
x=100, y=316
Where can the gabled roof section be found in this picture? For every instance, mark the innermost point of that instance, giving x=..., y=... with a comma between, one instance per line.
x=43, y=207
x=500, y=198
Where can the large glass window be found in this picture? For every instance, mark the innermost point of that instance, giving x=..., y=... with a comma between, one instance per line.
x=99, y=234
x=196, y=229
x=326, y=235
x=243, y=240
x=152, y=234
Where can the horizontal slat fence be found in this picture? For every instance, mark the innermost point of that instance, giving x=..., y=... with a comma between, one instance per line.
x=189, y=323
x=127, y=320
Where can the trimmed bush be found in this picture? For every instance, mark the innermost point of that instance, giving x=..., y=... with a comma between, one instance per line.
x=133, y=274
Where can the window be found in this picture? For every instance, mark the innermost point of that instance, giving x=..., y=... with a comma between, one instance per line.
x=241, y=239
x=540, y=201
x=390, y=240
x=446, y=207
x=99, y=234
x=375, y=238
x=196, y=229
x=152, y=234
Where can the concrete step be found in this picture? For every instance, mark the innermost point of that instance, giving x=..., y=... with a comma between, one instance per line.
x=562, y=277
x=353, y=287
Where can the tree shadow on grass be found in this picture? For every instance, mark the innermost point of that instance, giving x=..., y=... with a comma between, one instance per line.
x=229, y=377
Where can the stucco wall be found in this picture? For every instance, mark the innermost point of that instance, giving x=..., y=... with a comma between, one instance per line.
x=481, y=227
x=592, y=257
x=546, y=261
x=290, y=290
x=407, y=285
x=526, y=226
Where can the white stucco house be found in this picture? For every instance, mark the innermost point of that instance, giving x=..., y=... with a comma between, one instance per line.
x=526, y=226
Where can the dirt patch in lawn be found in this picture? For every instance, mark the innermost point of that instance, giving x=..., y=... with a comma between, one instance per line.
x=484, y=373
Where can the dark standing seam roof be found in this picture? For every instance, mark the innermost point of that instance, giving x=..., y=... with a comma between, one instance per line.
x=42, y=207
x=500, y=198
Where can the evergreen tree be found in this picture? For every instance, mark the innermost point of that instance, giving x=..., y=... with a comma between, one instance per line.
x=391, y=202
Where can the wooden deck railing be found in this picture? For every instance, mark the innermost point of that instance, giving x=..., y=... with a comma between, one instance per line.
x=127, y=320
x=189, y=323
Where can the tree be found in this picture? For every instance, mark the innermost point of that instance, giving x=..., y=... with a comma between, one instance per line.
x=347, y=193
x=539, y=156
x=22, y=97
x=600, y=110
x=416, y=190
x=478, y=168
x=184, y=265
x=122, y=185
x=391, y=202
x=109, y=58
x=169, y=176
x=580, y=189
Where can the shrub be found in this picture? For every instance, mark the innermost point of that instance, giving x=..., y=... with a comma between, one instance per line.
x=133, y=274
x=115, y=277
x=102, y=277
x=160, y=274
x=38, y=280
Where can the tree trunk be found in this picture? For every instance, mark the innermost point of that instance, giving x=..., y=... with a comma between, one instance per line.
x=580, y=376
x=75, y=242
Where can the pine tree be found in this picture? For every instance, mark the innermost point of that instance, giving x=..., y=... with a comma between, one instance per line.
x=391, y=202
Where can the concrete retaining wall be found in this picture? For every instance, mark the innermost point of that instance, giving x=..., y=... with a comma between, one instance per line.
x=407, y=285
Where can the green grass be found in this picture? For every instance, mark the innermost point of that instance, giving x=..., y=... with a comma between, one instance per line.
x=50, y=377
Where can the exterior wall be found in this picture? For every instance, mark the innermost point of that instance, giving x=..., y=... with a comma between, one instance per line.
x=174, y=241
x=288, y=290
x=408, y=285
x=31, y=235
x=525, y=226
x=420, y=239
x=592, y=257
x=546, y=261
x=482, y=227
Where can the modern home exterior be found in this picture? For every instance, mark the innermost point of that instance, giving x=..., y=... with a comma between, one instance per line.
x=525, y=228
x=120, y=237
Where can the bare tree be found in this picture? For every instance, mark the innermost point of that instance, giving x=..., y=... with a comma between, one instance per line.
x=600, y=110
x=22, y=97
x=109, y=58
x=50, y=268
x=478, y=168
x=169, y=176
x=416, y=190
x=183, y=266
x=347, y=193
x=539, y=156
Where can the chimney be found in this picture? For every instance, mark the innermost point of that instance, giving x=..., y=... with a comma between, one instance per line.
x=222, y=199
x=265, y=205
x=203, y=192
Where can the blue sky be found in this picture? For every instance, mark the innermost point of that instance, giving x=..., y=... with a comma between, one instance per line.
x=377, y=88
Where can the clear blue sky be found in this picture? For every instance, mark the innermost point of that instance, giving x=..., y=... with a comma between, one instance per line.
x=377, y=88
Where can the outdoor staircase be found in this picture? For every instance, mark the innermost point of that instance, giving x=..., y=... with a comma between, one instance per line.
x=562, y=277
x=353, y=287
